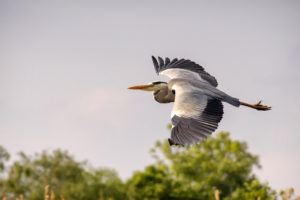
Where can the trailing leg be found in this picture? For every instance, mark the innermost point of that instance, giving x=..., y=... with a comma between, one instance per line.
x=257, y=106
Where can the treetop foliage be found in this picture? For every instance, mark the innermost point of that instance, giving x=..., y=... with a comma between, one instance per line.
x=193, y=172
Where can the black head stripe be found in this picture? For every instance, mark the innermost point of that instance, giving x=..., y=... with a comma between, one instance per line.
x=158, y=82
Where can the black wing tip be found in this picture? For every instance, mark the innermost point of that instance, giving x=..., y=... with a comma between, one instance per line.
x=161, y=62
x=154, y=59
x=172, y=143
x=155, y=63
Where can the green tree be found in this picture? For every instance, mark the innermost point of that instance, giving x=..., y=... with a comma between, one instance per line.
x=153, y=183
x=195, y=171
x=189, y=173
x=29, y=175
x=4, y=157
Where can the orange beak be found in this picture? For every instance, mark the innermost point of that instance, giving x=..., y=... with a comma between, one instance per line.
x=138, y=87
x=142, y=87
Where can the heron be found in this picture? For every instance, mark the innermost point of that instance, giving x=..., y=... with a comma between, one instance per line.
x=198, y=107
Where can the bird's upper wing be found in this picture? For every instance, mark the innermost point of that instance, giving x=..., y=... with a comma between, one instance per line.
x=194, y=116
x=182, y=69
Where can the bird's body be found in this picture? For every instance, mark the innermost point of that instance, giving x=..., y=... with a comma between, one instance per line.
x=198, y=104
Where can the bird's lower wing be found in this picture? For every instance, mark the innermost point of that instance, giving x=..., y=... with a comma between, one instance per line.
x=194, y=116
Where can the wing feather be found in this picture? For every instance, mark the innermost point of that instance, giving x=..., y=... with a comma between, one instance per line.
x=170, y=68
x=173, y=61
x=194, y=116
x=155, y=63
x=167, y=61
x=161, y=62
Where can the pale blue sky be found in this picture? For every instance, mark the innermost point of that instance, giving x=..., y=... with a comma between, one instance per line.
x=65, y=67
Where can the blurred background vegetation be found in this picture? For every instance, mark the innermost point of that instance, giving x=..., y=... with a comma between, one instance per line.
x=218, y=168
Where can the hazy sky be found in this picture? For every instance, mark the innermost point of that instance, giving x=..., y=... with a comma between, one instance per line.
x=65, y=67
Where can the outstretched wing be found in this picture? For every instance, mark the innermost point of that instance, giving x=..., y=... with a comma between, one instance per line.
x=194, y=116
x=182, y=69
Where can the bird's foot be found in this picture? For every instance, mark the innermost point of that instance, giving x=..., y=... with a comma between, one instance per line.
x=259, y=106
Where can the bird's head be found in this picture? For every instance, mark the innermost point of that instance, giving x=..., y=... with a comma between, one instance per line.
x=153, y=86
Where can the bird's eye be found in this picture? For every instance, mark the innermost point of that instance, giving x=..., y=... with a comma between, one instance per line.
x=173, y=91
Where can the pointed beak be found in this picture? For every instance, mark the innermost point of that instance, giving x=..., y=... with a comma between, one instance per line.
x=142, y=87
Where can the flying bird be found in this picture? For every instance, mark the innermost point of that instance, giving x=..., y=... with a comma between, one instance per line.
x=198, y=107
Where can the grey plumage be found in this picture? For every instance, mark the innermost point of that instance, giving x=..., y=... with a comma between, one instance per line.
x=163, y=95
x=187, y=130
x=183, y=64
x=198, y=104
x=198, y=108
